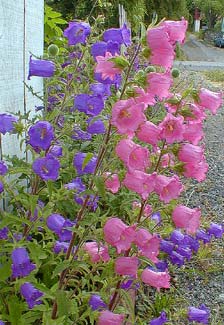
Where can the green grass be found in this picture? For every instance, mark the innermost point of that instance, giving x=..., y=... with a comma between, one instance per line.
x=215, y=76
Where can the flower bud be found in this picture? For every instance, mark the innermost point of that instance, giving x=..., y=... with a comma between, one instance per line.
x=175, y=73
x=53, y=50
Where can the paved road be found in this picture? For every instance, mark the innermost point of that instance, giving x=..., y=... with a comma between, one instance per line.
x=197, y=50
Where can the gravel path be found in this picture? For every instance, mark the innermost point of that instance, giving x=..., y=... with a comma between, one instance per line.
x=202, y=281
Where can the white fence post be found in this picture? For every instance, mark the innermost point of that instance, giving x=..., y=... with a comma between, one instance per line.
x=21, y=32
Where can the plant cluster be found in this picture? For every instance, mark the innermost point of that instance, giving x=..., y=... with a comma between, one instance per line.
x=94, y=213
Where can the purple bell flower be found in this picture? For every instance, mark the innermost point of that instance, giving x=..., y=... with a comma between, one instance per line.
x=177, y=237
x=78, y=164
x=119, y=35
x=176, y=259
x=92, y=201
x=100, y=89
x=76, y=184
x=200, y=315
x=3, y=168
x=4, y=233
x=96, y=127
x=77, y=32
x=2, y=323
x=166, y=246
x=79, y=134
x=156, y=216
x=1, y=187
x=60, y=247
x=89, y=104
x=47, y=168
x=184, y=251
x=161, y=266
x=41, y=68
x=31, y=294
x=21, y=265
x=216, y=230
x=58, y=225
x=96, y=303
x=191, y=242
x=203, y=236
x=162, y=319
x=100, y=48
x=55, y=151
x=41, y=134
x=7, y=123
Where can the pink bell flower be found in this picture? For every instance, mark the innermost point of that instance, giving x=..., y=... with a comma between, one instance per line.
x=106, y=317
x=97, y=252
x=176, y=30
x=140, y=182
x=210, y=100
x=168, y=188
x=133, y=155
x=127, y=116
x=148, y=244
x=141, y=96
x=118, y=234
x=186, y=218
x=149, y=133
x=190, y=153
x=197, y=112
x=193, y=132
x=112, y=182
x=196, y=170
x=106, y=67
x=159, y=84
x=162, y=52
x=127, y=266
x=156, y=279
x=172, y=128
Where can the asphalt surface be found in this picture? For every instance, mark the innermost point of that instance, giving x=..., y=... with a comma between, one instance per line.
x=198, y=50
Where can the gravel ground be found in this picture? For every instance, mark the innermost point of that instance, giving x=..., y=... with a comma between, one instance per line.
x=202, y=281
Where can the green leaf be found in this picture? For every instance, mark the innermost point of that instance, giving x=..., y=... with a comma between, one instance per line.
x=63, y=302
x=120, y=62
x=5, y=271
x=16, y=307
x=99, y=182
x=88, y=157
x=60, y=21
x=61, y=267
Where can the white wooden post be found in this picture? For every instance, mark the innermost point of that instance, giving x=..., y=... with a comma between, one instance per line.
x=21, y=32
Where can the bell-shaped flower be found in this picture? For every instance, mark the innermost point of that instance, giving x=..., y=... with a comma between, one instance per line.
x=159, y=85
x=47, y=168
x=186, y=218
x=210, y=100
x=193, y=132
x=140, y=182
x=7, y=123
x=172, y=128
x=41, y=68
x=21, y=265
x=106, y=67
x=112, y=182
x=162, y=319
x=168, y=188
x=156, y=279
x=119, y=35
x=3, y=168
x=41, y=134
x=148, y=244
x=106, y=317
x=127, y=116
x=149, y=133
x=96, y=303
x=31, y=294
x=77, y=32
x=91, y=105
x=126, y=266
x=176, y=30
x=81, y=169
x=97, y=251
x=118, y=234
x=199, y=315
x=216, y=230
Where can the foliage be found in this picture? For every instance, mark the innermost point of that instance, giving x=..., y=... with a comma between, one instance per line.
x=52, y=22
x=88, y=209
x=212, y=9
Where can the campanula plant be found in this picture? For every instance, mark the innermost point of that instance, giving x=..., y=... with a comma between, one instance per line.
x=94, y=213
